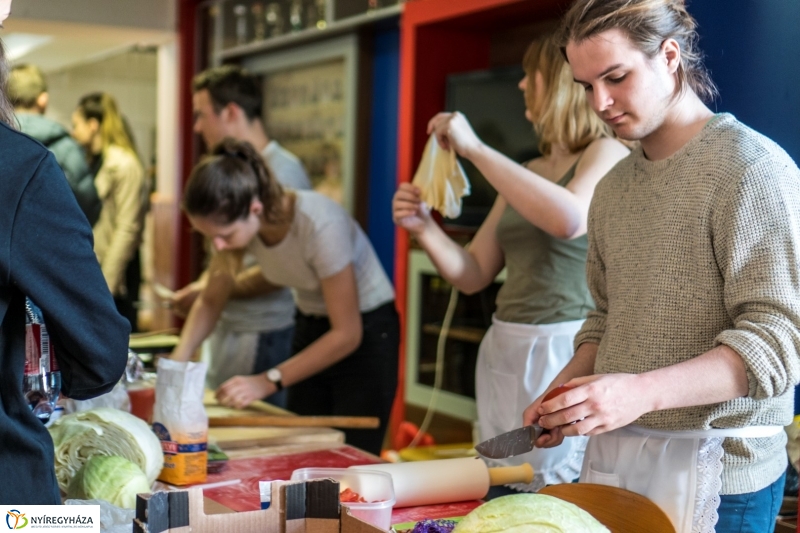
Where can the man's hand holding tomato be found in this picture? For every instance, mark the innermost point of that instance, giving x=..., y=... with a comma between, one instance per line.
x=589, y=405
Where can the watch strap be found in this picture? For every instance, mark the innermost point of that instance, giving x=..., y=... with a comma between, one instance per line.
x=278, y=383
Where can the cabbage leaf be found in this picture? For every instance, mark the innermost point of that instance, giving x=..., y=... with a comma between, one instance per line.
x=110, y=478
x=529, y=513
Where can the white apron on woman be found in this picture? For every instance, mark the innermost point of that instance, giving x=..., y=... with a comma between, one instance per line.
x=680, y=471
x=516, y=363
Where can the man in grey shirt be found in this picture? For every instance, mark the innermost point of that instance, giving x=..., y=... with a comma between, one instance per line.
x=255, y=331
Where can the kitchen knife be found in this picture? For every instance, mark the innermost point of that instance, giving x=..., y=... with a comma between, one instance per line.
x=515, y=442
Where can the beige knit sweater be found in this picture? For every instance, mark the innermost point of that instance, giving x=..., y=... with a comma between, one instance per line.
x=697, y=250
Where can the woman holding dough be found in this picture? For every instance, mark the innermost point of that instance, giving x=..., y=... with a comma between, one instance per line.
x=347, y=331
x=537, y=230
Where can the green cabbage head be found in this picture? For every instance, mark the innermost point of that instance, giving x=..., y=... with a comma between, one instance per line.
x=77, y=437
x=529, y=513
x=110, y=478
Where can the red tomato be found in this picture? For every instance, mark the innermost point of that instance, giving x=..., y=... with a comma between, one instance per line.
x=561, y=389
x=351, y=496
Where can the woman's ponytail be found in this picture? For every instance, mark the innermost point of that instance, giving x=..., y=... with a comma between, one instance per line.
x=224, y=184
x=103, y=108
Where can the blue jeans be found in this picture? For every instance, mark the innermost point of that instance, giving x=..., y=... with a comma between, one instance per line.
x=753, y=512
x=274, y=347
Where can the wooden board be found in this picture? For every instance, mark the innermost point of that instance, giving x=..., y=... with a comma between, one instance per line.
x=620, y=510
x=234, y=438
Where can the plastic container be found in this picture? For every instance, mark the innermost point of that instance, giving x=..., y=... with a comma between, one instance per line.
x=375, y=487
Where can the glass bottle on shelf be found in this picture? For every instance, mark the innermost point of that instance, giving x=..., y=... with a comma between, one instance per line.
x=274, y=18
x=212, y=22
x=259, y=21
x=296, y=15
x=320, y=8
x=240, y=14
x=311, y=14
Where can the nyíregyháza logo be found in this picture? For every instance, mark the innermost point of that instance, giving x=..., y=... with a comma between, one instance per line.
x=15, y=519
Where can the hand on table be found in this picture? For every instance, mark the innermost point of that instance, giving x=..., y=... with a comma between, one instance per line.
x=596, y=404
x=240, y=391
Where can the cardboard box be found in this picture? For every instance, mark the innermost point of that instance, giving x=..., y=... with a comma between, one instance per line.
x=297, y=507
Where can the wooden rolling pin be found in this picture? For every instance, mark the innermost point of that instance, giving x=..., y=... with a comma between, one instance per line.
x=447, y=480
x=359, y=422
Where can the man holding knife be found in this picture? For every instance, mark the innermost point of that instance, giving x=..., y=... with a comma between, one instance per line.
x=685, y=373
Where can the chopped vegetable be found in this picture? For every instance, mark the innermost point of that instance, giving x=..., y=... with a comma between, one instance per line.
x=434, y=526
x=351, y=496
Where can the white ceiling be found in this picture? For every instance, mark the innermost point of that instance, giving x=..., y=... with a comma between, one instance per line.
x=56, y=45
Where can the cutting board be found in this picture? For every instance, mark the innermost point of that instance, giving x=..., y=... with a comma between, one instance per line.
x=231, y=438
x=244, y=495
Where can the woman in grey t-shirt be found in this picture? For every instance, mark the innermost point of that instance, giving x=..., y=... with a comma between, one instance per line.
x=347, y=330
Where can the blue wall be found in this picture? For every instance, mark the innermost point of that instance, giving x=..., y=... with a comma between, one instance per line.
x=383, y=145
x=753, y=53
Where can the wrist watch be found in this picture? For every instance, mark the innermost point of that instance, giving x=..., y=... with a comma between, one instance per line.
x=274, y=375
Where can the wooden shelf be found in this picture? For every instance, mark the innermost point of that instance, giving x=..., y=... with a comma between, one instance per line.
x=457, y=333
x=309, y=35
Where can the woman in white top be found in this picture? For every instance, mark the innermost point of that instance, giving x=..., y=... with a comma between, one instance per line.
x=347, y=330
x=537, y=231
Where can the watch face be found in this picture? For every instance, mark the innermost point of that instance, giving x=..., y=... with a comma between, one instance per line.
x=274, y=375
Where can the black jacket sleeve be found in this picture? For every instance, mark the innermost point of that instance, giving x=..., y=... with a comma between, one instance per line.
x=52, y=262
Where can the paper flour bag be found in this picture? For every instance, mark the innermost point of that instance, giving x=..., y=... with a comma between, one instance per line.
x=180, y=421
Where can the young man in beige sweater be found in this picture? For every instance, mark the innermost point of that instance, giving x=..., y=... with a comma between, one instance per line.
x=685, y=373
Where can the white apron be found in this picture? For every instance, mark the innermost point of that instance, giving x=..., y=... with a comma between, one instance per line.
x=680, y=471
x=516, y=363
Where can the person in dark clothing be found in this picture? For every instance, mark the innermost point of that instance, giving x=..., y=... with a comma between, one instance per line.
x=27, y=90
x=46, y=253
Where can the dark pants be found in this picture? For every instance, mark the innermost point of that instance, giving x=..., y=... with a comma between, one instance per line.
x=274, y=347
x=362, y=384
x=753, y=512
x=133, y=280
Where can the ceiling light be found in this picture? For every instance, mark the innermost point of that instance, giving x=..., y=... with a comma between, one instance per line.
x=19, y=44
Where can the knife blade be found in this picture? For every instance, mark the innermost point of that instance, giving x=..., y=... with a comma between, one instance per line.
x=511, y=443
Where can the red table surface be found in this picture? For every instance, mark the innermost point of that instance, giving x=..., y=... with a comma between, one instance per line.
x=244, y=496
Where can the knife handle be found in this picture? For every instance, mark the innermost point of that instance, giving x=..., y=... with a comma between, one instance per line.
x=503, y=475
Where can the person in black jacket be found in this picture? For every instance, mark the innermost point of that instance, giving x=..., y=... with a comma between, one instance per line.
x=27, y=90
x=46, y=253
